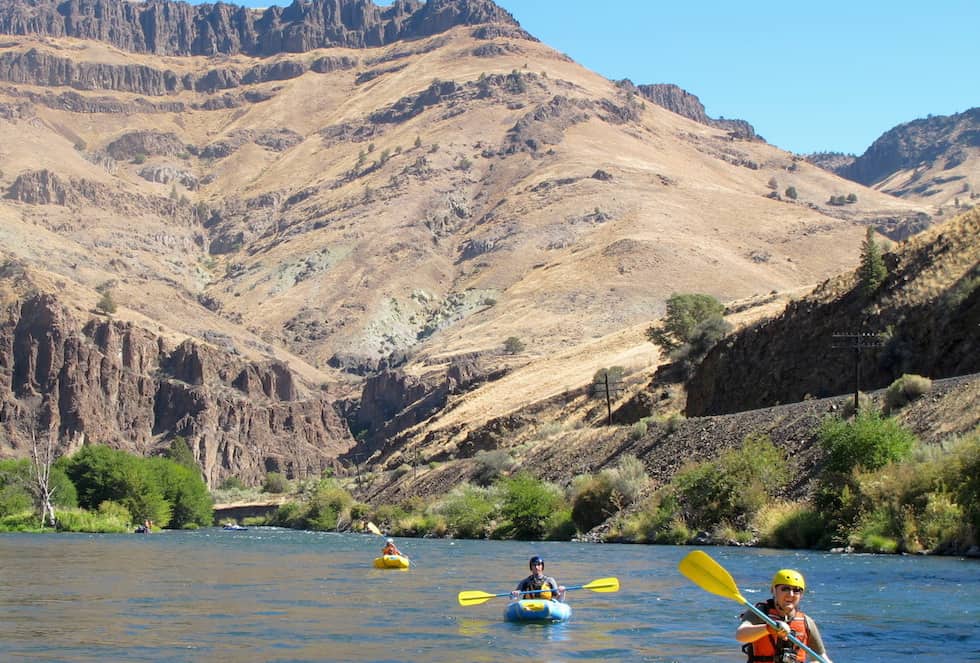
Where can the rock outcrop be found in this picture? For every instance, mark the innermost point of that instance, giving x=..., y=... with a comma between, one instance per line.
x=682, y=102
x=112, y=382
x=178, y=28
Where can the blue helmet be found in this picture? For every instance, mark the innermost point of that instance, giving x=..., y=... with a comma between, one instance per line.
x=537, y=559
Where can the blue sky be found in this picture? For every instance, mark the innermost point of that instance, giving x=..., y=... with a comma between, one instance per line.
x=809, y=75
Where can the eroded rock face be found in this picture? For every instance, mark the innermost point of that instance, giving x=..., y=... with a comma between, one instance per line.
x=178, y=28
x=112, y=382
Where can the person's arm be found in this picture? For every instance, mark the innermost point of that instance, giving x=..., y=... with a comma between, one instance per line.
x=753, y=628
x=520, y=588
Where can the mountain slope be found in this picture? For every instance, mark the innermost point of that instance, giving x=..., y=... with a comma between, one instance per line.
x=407, y=202
x=933, y=161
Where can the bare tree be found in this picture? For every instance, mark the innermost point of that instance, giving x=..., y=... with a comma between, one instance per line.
x=40, y=484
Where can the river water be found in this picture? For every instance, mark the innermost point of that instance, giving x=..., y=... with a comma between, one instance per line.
x=280, y=595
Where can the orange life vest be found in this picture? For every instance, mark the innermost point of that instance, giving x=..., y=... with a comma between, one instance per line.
x=770, y=649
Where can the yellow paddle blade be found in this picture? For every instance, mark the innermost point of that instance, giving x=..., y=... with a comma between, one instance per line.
x=475, y=597
x=374, y=528
x=603, y=585
x=709, y=575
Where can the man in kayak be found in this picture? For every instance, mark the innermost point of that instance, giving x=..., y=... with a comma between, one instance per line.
x=391, y=549
x=528, y=588
x=766, y=644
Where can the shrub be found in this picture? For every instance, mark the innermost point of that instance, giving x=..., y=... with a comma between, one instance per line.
x=232, y=483
x=791, y=193
x=790, y=525
x=491, y=465
x=904, y=390
x=275, y=482
x=594, y=503
x=468, y=511
x=869, y=441
x=513, y=345
x=528, y=504
x=638, y=430
x=732, y=488
x=106, y=304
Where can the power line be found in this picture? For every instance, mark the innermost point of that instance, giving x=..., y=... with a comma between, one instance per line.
x=857, y=341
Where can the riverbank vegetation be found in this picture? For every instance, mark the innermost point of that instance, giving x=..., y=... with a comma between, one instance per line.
x=878, y=489
x=99, y=489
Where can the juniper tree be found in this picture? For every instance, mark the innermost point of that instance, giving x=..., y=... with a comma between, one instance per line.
x=872, y=271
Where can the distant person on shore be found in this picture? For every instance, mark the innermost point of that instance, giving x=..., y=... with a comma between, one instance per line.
x=538, y=585
x=391, y=549
x=764, y=643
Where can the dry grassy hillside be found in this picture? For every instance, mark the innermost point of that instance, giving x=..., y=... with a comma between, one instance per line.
x=403, y=205
x=448, y=228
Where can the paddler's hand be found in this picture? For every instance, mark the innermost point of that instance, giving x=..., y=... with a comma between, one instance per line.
x=781, y=630
x=514, y=594
x=561, y=592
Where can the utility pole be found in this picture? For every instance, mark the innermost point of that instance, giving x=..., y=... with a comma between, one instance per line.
x=604, y=384
x=857, y=342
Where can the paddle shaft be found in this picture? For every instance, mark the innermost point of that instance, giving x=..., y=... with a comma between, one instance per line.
x=769, y=620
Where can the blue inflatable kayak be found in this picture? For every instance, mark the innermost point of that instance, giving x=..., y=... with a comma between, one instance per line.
x=537, y=610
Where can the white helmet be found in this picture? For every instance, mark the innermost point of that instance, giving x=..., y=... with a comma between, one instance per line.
x=389, y=540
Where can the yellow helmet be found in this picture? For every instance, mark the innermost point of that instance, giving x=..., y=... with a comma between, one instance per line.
x=789, y=577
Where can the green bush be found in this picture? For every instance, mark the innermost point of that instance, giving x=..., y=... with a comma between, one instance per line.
x=904, y=390
x=276, y=483
x=802, y=528
x=79, y=520
x=101, y=473
x=528, y=504
x=732, y=488
x=469, y=511
x=594, y=503
x=869, y=441
x=491, y=465
x=513, y=345
x=232, y=483
x=184, y=490
x=597, y=498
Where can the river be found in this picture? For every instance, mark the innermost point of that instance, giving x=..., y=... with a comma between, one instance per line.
x=279, y=595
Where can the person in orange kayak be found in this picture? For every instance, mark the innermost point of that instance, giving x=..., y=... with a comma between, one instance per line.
x=769, y=645
x=391, y=549
x=528, y=588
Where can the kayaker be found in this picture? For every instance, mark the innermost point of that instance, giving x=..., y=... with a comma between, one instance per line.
x=391, y=549
x=538, y=581
x=769, y=645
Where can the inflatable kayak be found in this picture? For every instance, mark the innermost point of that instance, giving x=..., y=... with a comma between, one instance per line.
x=537, y=610
x=391, y=562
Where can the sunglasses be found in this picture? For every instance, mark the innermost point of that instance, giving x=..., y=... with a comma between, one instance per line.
x=789, y=589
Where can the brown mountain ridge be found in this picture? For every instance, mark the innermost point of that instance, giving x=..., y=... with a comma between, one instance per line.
x=336, y=212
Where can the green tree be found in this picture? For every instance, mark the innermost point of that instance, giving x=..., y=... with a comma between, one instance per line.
x=180, y=453
x=791, y=193
x=102, y=474
x=106, y=304
x=872, y=271
x=684, y=314
x=185, y=492
x=513, y=345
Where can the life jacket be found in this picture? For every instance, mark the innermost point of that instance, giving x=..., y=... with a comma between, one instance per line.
x=771, y=649
x=544, y=583
x=390, y=549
